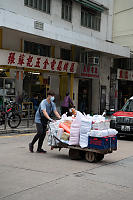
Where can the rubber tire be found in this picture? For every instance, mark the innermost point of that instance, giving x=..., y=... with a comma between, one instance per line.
x=75, y=154
x=90, y=156
x=99, y=157
x=9, y=120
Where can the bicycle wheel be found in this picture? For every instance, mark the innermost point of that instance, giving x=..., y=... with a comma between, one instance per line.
x=14, y=120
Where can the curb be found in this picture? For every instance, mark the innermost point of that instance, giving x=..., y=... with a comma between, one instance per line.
x=18, y=131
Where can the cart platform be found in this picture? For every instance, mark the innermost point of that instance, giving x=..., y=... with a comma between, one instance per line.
x=76, y=152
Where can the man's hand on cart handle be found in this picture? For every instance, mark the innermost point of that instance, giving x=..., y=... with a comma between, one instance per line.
x=51, y=120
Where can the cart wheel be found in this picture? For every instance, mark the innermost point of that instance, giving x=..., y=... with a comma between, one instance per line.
x=99, y=157
x=90, y=157
x=74, y=154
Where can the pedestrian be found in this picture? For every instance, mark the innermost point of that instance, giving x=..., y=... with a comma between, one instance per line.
x=66, y=104
x=42, y=116
x=35, y=102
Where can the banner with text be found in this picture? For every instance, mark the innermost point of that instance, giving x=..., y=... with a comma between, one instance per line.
x=89, y=71
x=125, y=74
x=19, y=59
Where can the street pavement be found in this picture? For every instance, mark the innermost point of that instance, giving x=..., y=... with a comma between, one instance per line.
x=53, y=176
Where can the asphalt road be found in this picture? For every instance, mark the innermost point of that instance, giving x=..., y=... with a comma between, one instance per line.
x=53, y=176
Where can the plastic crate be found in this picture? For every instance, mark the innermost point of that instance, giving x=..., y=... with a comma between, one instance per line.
x=102, y=142
x=114, y=142
x=98, y=143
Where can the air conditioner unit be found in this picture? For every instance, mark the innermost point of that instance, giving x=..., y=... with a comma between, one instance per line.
x=93, y=60
x=38, y=25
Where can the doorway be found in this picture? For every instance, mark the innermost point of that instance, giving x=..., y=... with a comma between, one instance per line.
x=125, y=91
x=85, y=96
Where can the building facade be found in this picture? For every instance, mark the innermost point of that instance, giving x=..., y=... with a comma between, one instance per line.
x=59, y=45
x=122, y=73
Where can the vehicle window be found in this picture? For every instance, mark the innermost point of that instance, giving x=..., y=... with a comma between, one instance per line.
x=128, y=107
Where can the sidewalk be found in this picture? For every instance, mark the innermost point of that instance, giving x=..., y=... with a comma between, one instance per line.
x=21, y=129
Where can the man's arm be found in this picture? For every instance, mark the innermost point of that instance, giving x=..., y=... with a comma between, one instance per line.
x=46, y=114
x=57, y=114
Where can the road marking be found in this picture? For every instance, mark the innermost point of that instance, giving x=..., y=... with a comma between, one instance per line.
x=9, y=136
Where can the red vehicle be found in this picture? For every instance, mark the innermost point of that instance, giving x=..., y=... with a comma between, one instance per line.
x=122, y=120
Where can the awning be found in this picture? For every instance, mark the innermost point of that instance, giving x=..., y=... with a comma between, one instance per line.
x=92, y=5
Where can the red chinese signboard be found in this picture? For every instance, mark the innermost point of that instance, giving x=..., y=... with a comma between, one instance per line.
x=20, y=59
x=124, y=74
x=89, y=71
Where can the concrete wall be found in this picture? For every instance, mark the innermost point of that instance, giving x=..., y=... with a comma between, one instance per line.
x=14, y=15
x=122, y=25
x=95, y=96
x=54, y=86
x=17, y=6
x=105, y=64
x=75, y=91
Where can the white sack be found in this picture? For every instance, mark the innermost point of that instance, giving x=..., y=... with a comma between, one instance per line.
x=75, y=129
x=101, y=125
x=112, y=132
x=98, y=118
x=84, y=129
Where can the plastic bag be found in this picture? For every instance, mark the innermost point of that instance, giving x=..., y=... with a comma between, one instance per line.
x=65, y=127
x=53, y=130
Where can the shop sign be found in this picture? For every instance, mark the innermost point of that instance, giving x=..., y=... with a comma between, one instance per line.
x=89, y=71
x=125, y=74
x=30, y=61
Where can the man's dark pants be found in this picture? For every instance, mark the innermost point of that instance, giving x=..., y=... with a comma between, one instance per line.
x=41, y=133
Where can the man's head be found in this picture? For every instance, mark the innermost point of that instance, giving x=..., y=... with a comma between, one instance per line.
x=50, y=95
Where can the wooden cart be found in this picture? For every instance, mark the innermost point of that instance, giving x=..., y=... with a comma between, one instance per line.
x=78, y=153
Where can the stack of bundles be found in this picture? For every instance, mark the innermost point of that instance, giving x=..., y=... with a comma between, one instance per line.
x=101, y=136
x=81, y=130
x=75, y=130
x=86, y=124
x=101, y=127
x=61, y=130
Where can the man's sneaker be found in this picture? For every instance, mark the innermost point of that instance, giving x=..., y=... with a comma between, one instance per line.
x=31, y=148
x=41, y=151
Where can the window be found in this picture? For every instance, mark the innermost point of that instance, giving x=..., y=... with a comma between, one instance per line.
x=42, y=5
x=128, y=107
x=88, y=57
x=36, y=49
x=65, y=54
x=67, y=10
x=90, y=18
x=124, y=63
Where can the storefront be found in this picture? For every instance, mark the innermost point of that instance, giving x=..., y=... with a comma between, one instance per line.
x=7, y=87
x=125, y=86
x=121, y=87
x=88, y=78
x=36, y=74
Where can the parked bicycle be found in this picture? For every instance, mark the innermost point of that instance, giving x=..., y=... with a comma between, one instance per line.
x=11, y=115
